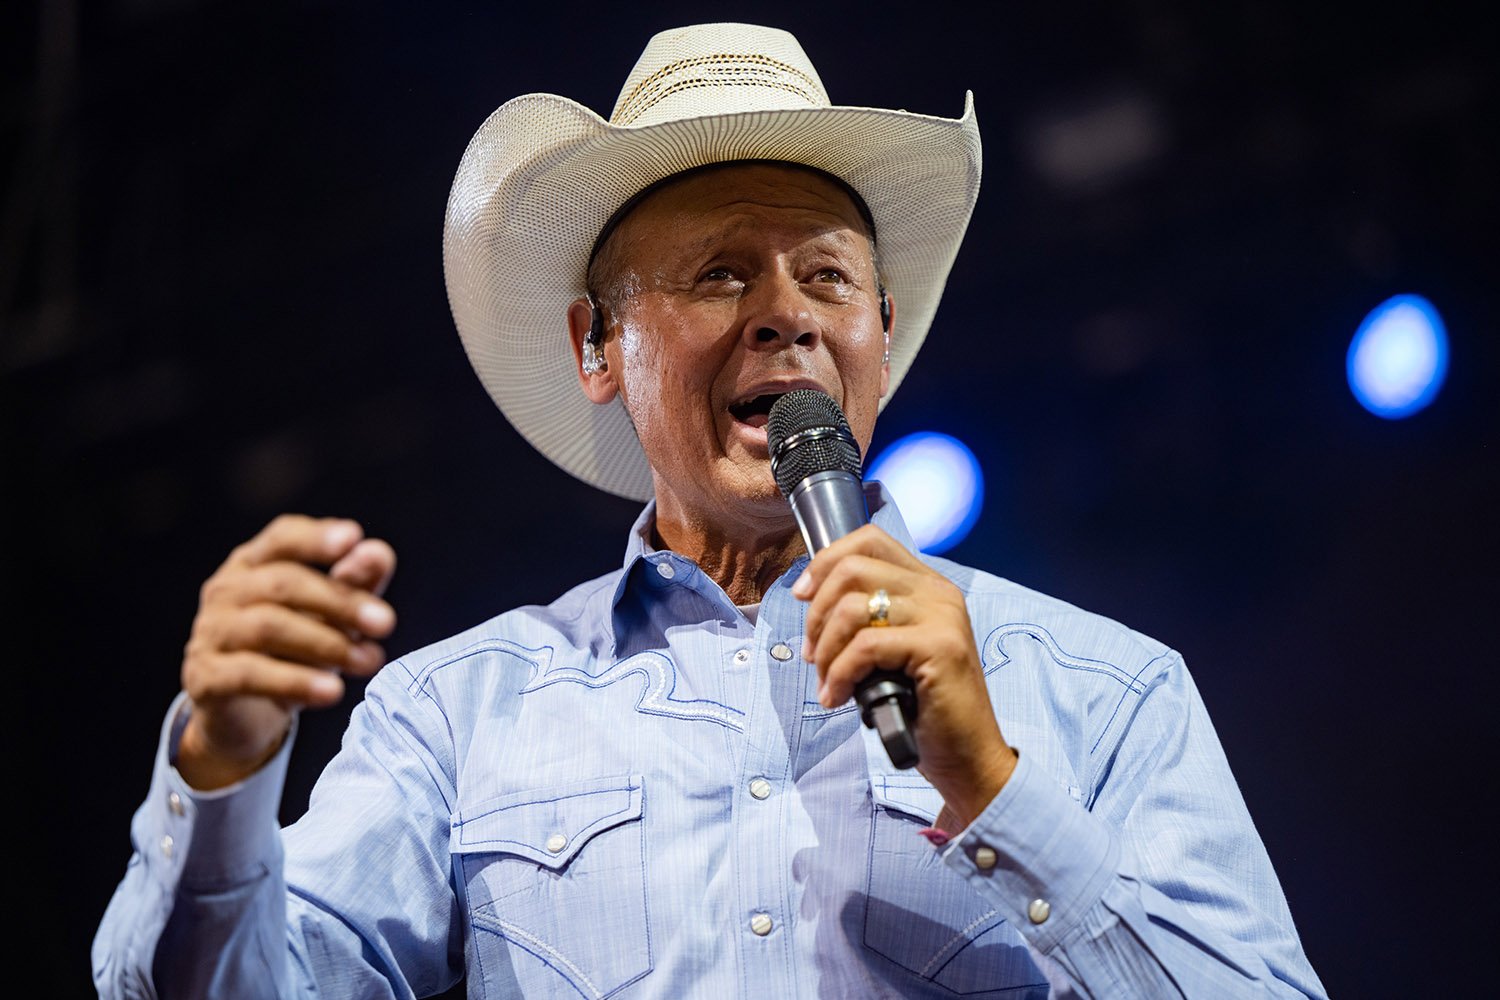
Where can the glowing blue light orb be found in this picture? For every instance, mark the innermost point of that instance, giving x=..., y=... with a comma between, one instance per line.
x=1398, y=357
x=936, y=482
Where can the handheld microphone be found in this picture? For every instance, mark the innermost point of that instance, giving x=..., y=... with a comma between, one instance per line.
x=816, y=462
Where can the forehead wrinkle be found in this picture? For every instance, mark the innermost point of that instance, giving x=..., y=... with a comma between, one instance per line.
x=815, y=196
x=743, y=224
x=753, y=188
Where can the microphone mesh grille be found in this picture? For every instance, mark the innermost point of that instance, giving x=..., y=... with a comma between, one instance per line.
x=806, y=410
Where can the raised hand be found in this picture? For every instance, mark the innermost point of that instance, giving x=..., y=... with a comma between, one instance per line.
x=278, y=623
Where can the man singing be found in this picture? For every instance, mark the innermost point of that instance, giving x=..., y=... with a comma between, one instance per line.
x=659, y=785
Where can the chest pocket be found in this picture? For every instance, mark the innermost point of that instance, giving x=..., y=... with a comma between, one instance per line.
x=924, y=917
x=556, y=885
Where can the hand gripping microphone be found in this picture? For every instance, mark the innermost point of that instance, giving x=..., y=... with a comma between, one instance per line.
x=816, y=462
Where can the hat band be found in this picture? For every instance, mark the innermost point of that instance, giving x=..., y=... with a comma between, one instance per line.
x=719, y=70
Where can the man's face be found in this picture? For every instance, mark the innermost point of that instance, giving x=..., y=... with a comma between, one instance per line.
x=734, y=286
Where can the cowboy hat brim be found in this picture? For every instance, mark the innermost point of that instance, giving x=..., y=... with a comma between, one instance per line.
x=543, y=175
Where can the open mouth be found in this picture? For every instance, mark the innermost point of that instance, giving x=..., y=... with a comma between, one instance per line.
x=755, y=410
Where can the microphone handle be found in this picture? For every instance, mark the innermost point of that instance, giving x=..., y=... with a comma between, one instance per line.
x=828, y=505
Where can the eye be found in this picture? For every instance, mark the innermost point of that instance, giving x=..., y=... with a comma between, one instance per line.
x=718, y=273
x=830, y=276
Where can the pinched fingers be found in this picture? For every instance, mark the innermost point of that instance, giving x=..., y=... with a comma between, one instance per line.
x=273, y=633
x=271, y=625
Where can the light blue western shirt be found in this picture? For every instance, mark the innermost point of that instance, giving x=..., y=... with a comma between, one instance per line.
x=634, y=792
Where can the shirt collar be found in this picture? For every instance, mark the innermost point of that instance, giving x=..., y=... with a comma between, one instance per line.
x=638, y=542
x=638, y=548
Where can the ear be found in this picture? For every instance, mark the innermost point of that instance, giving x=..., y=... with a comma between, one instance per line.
x=599, y=387
x=890, y=327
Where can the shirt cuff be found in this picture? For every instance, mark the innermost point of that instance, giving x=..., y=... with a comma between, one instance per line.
x=229, y=835
x=1042, y=859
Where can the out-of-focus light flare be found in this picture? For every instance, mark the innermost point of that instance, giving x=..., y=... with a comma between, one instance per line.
x=1398, y=357
x=937, y=484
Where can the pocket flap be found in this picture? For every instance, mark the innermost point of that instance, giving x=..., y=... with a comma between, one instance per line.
x=549, y=825
x=909, y=794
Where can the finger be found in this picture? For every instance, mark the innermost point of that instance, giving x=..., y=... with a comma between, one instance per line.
x=869, y=541
x=868, y=649
x=301, y=588
x=839, y=625
x=369, y=565
x=860, y=575
x=366, y=659
x=297, y=537
x=935, y=640
x=283, y=634
x=241, y=673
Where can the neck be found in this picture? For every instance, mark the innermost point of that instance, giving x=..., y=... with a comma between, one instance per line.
x=744, y=558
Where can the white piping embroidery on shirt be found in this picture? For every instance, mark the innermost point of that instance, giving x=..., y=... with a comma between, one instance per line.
x=661, y=680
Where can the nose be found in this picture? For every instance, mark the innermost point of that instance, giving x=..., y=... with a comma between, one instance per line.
x=777, y=315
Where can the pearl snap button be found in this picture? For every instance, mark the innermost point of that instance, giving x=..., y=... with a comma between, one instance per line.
x=761, y=924
x=742, y=657
x=556, y=842
x=984, y=858
x=1039, y=910
x=781, y=651
x=760, y=788
x=174, y=803
x=666, y=570
x=166, y=846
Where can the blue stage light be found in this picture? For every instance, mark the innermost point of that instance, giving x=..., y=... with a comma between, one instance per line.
x=936, y=482
x=1398, y=357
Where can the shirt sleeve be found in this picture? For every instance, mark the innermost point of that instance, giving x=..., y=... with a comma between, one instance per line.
x=353, y=900
x=1158, y=883
x=205, y=862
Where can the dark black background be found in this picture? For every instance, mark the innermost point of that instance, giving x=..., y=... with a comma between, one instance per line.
x=221, y=294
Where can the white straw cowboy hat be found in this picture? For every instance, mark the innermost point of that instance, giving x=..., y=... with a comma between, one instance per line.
x=543, y=175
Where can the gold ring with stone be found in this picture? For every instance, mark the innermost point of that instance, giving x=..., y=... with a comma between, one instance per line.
x=880, y=608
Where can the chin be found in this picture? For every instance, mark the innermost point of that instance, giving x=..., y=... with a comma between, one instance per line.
x=753, y=483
